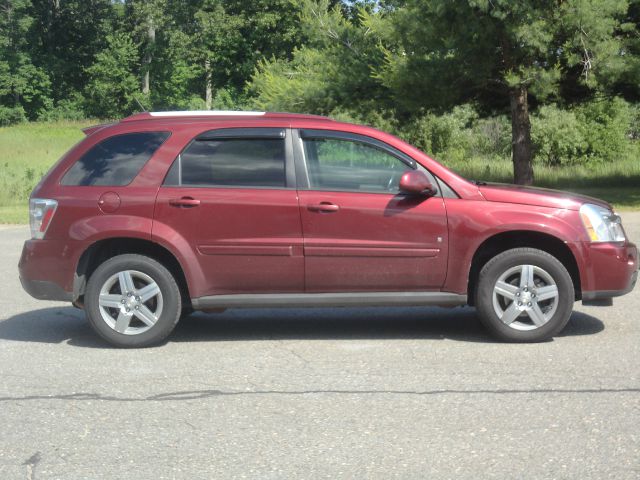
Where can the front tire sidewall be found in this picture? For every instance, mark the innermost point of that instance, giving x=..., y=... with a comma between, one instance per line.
x=512, y=258
x=172, y=305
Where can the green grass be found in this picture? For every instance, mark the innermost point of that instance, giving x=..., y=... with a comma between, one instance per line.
x=28, y=150
x=26, y=153
x=617, y=183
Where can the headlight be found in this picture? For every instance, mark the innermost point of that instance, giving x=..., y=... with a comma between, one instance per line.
x=602, y=225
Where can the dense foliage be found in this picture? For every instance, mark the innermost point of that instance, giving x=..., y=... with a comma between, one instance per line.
x=558, y=80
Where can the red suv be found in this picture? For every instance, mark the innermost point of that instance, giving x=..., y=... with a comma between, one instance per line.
x=164, y=213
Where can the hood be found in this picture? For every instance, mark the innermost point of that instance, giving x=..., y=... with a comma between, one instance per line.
x=542, y=197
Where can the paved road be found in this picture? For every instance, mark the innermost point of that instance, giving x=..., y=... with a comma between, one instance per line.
x=323, y=393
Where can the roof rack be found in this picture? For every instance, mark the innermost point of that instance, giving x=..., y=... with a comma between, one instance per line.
x=205, y=113
x=216, y=113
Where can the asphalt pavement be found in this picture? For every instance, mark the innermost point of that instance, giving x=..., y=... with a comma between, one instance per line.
x=318, y=393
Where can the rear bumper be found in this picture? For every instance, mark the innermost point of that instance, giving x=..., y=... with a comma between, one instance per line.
x=611, y=270
x=44, y=269
x=44, y=290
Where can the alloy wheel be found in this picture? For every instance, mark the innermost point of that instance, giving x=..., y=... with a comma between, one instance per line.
x=130, y=302
x=525, y=297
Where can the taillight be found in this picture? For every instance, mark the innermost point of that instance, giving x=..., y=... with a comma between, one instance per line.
x=41, y=212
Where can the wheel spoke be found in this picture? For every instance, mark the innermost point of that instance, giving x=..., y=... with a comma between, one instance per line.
x=510, y=314
x=546, y=293
x=148, y=292
x=144, y=314
x=110, y=300
x=526, y=276
x=126, y=282
x=506, y=289
x=536, y=315
x=122, y=323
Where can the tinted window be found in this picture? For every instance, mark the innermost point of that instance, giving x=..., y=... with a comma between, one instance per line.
x=248, y=162
x=115, y=160
x=336, y=164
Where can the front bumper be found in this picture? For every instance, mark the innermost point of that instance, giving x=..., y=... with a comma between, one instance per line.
x=611, y=270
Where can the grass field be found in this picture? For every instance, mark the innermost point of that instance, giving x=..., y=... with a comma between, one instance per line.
x=26, y=153
x=28, y=150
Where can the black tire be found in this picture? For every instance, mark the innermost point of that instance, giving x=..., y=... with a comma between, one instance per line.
x=171, y=302
x=511, y=259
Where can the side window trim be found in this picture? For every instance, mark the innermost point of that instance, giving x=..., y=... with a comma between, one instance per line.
x=302, y=174
x=257, y=133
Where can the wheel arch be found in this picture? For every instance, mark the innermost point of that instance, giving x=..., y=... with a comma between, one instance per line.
x=503, y=241
x=102, y=250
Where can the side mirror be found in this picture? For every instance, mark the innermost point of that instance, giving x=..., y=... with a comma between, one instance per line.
x=415, y=182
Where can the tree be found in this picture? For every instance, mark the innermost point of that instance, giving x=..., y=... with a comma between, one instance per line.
x=331, y=73
x=24, y=87
x=232, y=36
x=447, y=52
x=112, y=87
x=148, y=17
x=65, y=37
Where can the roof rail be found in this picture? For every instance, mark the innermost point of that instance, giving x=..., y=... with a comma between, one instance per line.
x=193, y=113
x=216, y=113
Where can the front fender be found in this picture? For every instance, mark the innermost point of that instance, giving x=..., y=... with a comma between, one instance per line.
x=471, y=223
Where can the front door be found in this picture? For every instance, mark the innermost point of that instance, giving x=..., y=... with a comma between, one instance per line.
x=230, y=195
x=360, y=232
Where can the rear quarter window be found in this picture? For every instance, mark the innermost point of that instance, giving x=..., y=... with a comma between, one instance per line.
x=115, y=161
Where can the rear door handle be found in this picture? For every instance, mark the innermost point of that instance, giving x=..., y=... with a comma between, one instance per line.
x=184, y=202
x=326, y=207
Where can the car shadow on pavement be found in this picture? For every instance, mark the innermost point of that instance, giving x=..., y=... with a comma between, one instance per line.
x=67, y=324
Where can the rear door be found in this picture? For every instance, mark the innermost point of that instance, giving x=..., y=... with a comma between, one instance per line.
x=360, y=232
x=231, y=195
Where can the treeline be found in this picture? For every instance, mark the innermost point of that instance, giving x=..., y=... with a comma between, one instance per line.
x=452, y=76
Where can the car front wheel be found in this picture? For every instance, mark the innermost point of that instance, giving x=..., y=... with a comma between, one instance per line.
x=132, y=301
x=524, y=295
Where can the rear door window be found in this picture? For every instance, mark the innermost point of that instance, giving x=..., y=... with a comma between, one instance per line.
x=231, y=162
x=116, y=160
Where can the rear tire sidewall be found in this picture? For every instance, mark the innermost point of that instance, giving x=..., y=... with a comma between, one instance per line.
x=172, y=305
x=524, y=256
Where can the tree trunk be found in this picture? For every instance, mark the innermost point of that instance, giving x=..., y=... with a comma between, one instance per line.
x=521, y=137
x=148, y=56
x=208, y=94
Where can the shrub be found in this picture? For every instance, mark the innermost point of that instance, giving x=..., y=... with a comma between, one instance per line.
x=68, y=109
x=558, y=137
x=492, y=137
x=11, y=115
x=605, y=125
x=599, y=131
x=448, y=136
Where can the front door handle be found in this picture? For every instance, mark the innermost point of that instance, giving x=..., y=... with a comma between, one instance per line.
x=326, y=207
x=186, y=202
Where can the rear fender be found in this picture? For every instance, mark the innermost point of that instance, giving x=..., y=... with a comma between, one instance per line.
x=181, y=248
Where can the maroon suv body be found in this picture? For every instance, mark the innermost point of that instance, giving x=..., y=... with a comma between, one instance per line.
x=247, y=209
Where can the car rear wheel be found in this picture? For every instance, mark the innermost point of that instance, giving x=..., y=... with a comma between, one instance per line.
x=132, y=301
x=524, y=295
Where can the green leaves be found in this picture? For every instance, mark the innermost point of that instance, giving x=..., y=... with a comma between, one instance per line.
x=112, y=86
